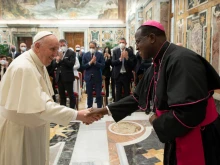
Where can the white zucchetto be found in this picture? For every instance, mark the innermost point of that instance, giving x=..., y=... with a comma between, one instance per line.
x=40, y=35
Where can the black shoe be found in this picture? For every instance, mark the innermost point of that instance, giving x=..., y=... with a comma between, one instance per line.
x=147, y=111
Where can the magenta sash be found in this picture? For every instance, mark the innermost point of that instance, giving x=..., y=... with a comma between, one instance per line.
x=189, y=148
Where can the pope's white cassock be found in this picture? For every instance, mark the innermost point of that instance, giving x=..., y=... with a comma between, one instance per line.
x=26, y=109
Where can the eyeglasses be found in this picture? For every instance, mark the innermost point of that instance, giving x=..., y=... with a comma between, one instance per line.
x=138, y=41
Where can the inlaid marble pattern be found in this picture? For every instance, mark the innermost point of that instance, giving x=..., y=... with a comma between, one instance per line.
x=67, y=135
x=94, y=35
x=119, y=34
x=140, y=152
x=114, y=138
x=149, y=151
x=107, y=35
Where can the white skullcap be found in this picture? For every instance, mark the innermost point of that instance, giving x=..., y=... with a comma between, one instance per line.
x=40, y=35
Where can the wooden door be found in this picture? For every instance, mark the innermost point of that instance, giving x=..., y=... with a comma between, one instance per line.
x=27, y=40
x=74, y=38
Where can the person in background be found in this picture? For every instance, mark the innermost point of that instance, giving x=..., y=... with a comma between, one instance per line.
x=131, y=49
x=9, y=60
x=64, y=74
x=93, y=63
x=123, y=62
x=107, y=70
x=12, y=52
x=51, y=69
x=141, y=67
x=23, y=48
x=80, y=51
x=76, y=83
x=3, y=65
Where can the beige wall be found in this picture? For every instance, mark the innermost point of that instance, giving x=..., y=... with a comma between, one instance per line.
x=105, y=34
x=144, y=10
x=198, y=29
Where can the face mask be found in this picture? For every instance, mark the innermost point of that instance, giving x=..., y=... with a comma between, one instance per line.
x=3, y=62
x=100, y=51
x=63, y=48
x=13, y=50
x=82, y=50
x=92, y=51
x=77, y=49
x=23, y=49
x=122, y=45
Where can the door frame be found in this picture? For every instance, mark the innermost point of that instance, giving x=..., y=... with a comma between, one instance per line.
x=15, y=36
x=62, y=32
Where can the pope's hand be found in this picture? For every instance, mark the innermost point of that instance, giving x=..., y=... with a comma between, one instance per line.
x=82, y=116
x=97, y=113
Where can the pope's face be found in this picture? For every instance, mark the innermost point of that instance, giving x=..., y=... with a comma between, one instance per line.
x=48, y=49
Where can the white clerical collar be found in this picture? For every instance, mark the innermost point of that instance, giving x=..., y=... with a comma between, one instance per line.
x=36, y=58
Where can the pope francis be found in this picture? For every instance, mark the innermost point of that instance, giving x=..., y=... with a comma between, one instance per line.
x=27, y=107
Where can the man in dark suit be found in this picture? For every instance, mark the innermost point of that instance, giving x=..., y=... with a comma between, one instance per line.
x=51, y=70
x=64, y=75
x=93, y=62
x=13, y=54
x=123, y=62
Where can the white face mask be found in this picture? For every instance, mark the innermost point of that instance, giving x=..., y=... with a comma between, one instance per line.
x=64, y=48
x=122, y=45
x=82, y=50
x=92, y=50
x=23, y=49
x=3, y=62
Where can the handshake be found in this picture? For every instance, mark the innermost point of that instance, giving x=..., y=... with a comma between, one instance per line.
x=90, y=115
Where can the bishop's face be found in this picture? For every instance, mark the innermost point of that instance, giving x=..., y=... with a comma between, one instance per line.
x=143, y=45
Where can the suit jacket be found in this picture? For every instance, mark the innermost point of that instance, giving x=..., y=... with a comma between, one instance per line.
x=107, y=70
x=16, y=55
x=117, y=64
x=94, y=70
x=80, y=62
x=65, y=67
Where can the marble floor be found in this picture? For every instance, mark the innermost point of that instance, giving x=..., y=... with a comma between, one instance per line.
x=129, y=142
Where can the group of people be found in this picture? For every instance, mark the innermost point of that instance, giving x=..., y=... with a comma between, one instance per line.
x=6, y=59
x=179, y=83
x=118, y=66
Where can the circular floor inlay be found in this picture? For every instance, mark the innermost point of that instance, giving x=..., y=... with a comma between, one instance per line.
x=126, y=128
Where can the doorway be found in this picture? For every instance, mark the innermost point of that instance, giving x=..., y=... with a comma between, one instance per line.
x=74, y=38
x=26, y=40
